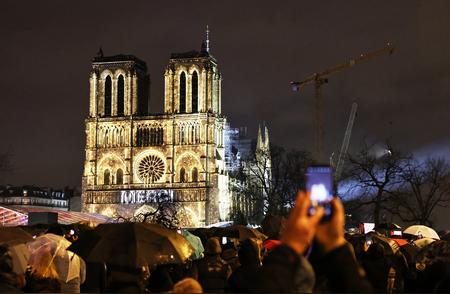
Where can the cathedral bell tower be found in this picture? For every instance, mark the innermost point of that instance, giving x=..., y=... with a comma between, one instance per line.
x=119, y=86
x=193, y=82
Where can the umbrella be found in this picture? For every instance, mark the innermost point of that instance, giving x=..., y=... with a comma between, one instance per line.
x=389, y=245
x=67, y=263
x=246, y=232
x=89, y=239
x=420, y=243
x=196, y=243
x=421, y=231
x=20, y=255
x=436, y=251
x=134, y=245
x=14, y=235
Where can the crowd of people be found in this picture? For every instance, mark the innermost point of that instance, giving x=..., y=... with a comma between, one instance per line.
x=305, y=254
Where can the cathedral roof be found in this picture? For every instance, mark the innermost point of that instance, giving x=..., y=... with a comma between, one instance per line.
x=191, y=54
x=118, y=58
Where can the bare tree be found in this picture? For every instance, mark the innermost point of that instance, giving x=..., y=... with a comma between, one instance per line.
x=267, y=183
x=374, y=176
x=427, y=186
x=163, y=210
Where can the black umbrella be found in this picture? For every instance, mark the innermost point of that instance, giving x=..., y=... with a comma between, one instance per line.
x=437, y=251
x=85, y=243
x=133, y=245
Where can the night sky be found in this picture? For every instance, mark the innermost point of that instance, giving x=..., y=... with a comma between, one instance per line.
x=46, y=49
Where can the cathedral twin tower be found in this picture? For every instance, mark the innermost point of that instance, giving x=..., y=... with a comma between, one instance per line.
x=133, y=156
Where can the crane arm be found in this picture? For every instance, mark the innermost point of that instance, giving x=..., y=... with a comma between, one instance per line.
x=389, y=48
x=346, y=142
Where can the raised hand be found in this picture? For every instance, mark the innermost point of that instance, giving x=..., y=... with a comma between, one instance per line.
x=331, y=234
x=300, y=227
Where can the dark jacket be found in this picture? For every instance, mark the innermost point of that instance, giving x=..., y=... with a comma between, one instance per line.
x=213, y=273
x=377, y=266
x=278, y=274
x=343, y=272
x=243, y=277
x=96, y=278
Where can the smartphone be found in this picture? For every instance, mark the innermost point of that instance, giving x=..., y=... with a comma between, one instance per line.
x=319, y=182
x=369, y=240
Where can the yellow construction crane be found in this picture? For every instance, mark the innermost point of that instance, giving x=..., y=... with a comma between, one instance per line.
x=318, y=79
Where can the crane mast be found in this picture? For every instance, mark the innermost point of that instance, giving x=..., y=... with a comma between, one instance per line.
x=318, y=79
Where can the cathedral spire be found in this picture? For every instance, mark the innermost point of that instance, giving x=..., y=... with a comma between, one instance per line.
x=100, y=52
x=266, y=137
x=207, y=38
x=259, y=142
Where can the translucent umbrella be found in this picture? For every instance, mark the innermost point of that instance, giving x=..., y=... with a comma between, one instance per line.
x=421, y=232
x=66, y=262
x=20, y=255
x=420, y=243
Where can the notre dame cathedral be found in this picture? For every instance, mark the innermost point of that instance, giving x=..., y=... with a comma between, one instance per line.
x=133, y=156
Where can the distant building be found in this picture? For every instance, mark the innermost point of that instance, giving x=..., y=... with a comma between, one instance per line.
x=238, y=147
x=33, y=196
x=253, y=159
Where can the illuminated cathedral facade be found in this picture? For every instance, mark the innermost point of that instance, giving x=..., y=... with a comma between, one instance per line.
x=132, y=156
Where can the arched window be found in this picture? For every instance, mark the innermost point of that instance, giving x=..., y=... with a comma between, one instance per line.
x=120, y=96
x=182, y=92
x=108, y=96
x=106, y=177
x=194, y=92
x=119, y=177
x=182, y=175
x=194, y=174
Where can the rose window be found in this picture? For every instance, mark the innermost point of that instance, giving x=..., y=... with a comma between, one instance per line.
x=151, y=169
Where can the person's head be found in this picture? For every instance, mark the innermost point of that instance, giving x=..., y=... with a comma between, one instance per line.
x=187, y=285
x=42, y=265
x=249, y=253
x=272, y=226
x=213, y=246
